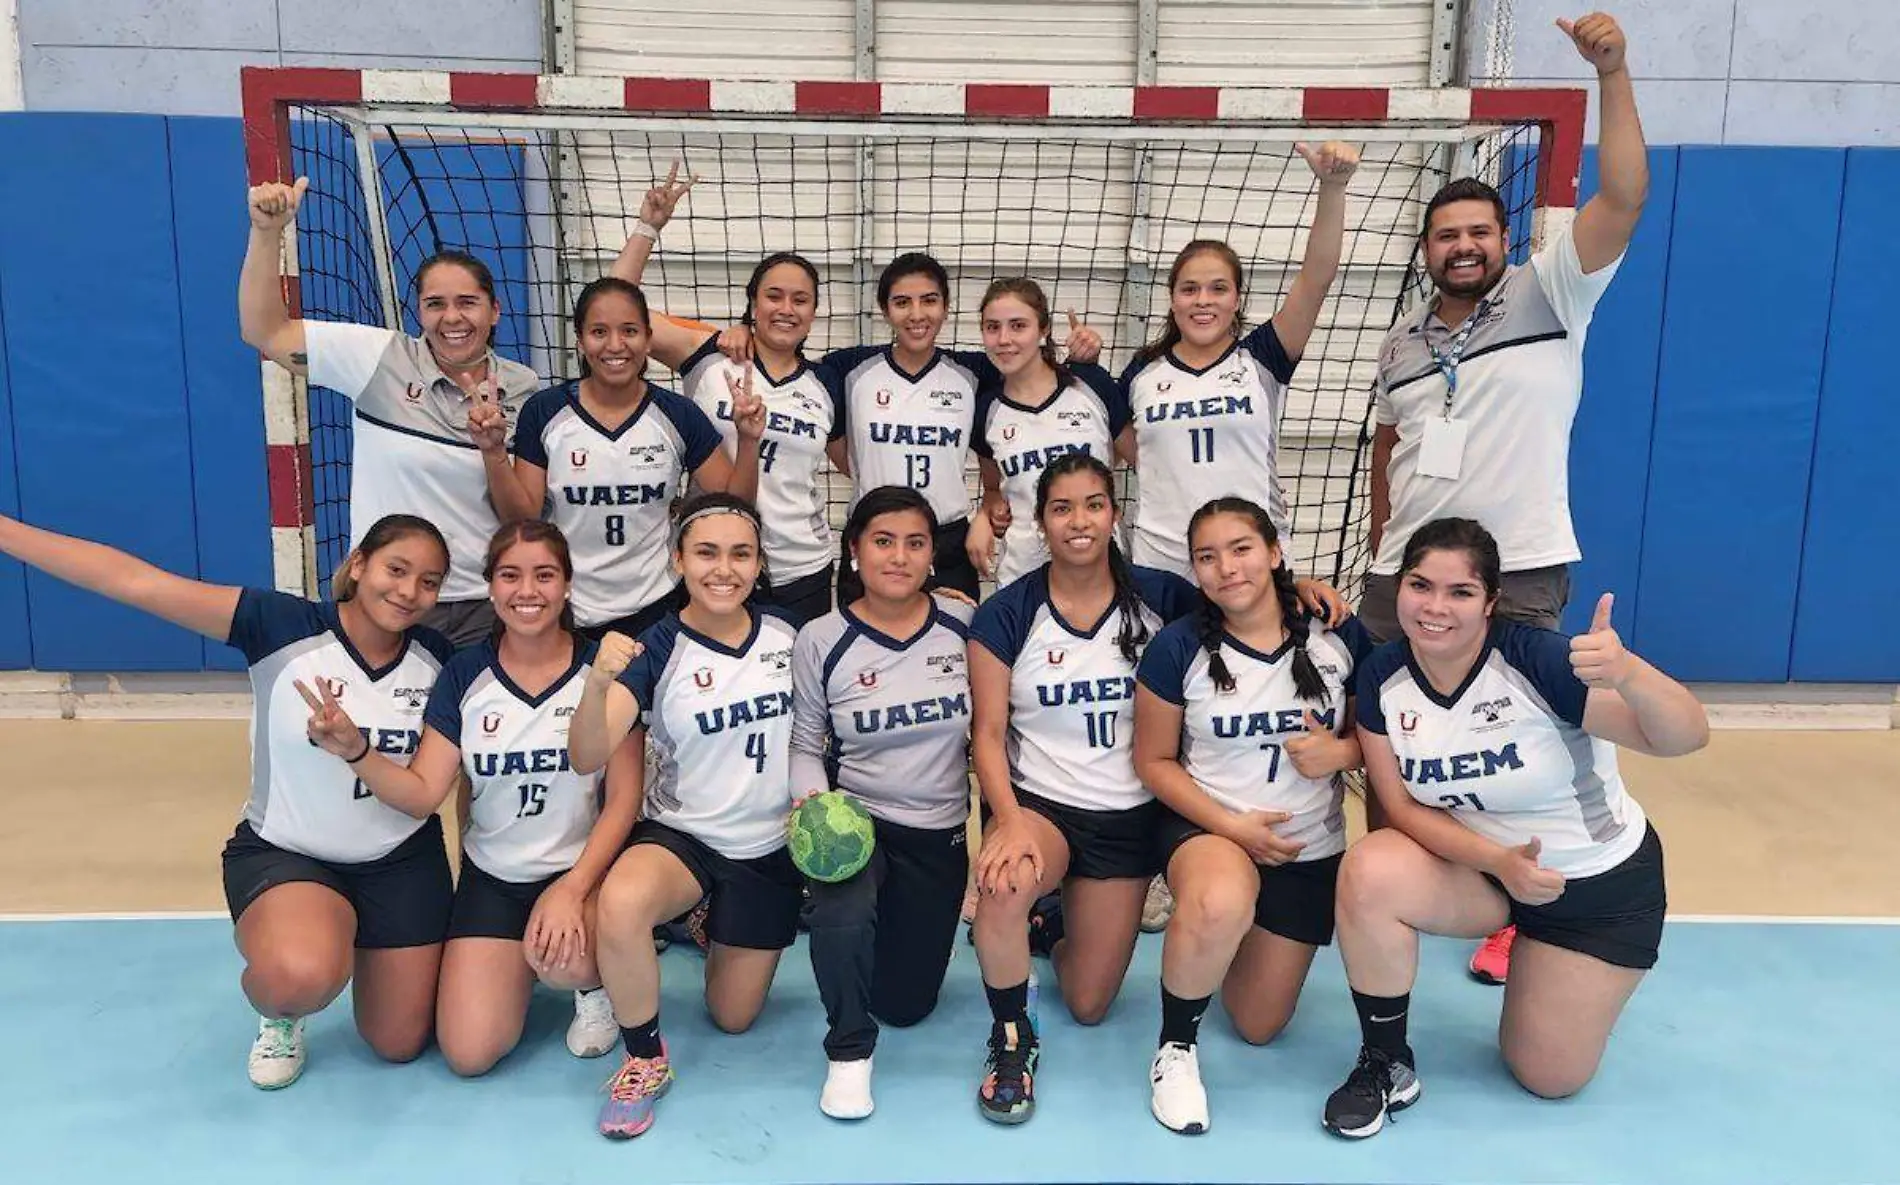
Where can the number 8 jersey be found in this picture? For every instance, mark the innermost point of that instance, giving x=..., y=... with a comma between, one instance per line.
x=612, y=491
x=720, y=722
x=1071, y=691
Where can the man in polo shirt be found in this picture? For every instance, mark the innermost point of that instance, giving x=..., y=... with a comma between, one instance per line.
x=411, y=450
x=1477, y=390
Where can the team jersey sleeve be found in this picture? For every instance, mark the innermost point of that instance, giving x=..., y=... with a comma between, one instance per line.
x=1571, y=292
x=833, y=380
x=642, y=676
x=1358, y=641
x=344, y=357
x=434, y=643
x=1001, y=623
x=266, y=621
x=530, y=443
x=1367, y=681
x=697, y=434
x=1543, y=657
x=849, y=358
x=985, y=403
x=1112, y=392
x=444, y=711
x=811, y=704
x=1164, y=665
x=1168, y=595
x=957, y=612
x=1264, y=344
x=979, y=365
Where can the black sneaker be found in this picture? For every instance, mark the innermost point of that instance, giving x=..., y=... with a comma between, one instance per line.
x=1378, y=1085
x=1008, y=1093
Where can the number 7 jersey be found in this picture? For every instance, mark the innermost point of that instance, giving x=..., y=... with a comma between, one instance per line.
x=720, y=722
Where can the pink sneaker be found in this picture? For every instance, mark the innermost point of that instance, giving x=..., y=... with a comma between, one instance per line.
x=1491, y=962
x=631, y=1093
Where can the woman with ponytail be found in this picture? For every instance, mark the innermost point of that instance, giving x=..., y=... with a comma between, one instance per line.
x=1242, y=727
x=1052, y=679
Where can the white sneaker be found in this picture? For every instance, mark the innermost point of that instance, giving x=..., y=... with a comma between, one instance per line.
x=1179, y=1101
x=847, y=1093
x=1157, y=907
x=593, y=1031
x=277, y=1055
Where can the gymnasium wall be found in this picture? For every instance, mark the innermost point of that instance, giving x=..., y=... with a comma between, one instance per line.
x=1730, y=473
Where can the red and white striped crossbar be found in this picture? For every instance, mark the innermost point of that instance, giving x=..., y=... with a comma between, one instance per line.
x=270, y=93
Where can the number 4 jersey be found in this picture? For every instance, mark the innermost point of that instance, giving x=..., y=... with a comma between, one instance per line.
x=529, y=813
x=1506, y=753
x=720, y=722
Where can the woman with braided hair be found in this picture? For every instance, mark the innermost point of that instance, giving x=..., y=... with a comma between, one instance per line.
x=1242, y=727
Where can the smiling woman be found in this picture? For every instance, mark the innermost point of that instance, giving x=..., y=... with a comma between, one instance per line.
x=413, y=451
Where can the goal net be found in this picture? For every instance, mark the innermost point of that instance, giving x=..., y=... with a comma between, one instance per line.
x=1090, y=191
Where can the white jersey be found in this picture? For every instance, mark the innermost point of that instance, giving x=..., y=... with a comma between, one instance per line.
x=911, y=430
x=1083, y=417
x=720, y=723
x=1233, y=742
x=1507, y=755
x=302, y=798
x=529, y=813
x=411, y=452
x=1205, y=434
x=1071, y=692
x=886, y=719
x=803, y=412
x=611, y=492
x=1520, y=379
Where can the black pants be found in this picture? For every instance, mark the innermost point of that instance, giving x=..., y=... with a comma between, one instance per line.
x=950, y=569
x=881, y=941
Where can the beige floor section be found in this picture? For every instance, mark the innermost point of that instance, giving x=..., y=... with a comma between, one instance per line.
x=110, y=816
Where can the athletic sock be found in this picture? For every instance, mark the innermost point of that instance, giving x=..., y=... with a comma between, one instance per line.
x=1009, y=1003
x=1382, y=1023
x=643, y=1040
x=1180, y=1018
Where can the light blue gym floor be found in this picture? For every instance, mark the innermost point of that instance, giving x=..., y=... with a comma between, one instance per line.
x=1755, y=1053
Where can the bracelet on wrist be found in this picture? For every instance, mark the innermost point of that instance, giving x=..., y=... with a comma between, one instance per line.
x=359, y=756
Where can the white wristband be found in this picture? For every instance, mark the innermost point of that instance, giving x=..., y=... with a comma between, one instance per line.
x=647, y=230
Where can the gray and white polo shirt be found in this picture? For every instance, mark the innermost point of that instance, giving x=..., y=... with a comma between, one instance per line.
x=413, y=453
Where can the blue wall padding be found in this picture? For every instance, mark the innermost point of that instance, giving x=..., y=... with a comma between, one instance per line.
x=1740, y=382
x=1609, y=447
x=90, y=284
x=1850, y=567
x=223, y=388
x=16, y=644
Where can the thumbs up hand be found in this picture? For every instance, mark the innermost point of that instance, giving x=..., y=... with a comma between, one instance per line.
x=1524, y=879
x=1598, y=657
x=1083, y=344
x=1320, y=752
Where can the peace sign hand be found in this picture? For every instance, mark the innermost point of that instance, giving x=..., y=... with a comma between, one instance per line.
x=657, y=208
x=274, y=205
x=487, y=422
x=1084, y=344
x=330, y=727
x=1332, y=162
x=748, y=410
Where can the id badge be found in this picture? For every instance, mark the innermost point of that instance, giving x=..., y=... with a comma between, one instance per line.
x=1441, y=452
